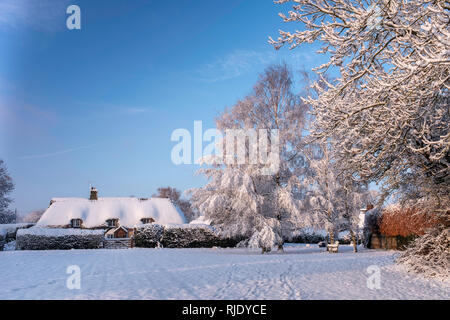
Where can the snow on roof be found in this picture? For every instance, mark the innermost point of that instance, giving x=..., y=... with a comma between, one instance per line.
x=94, y=213
x=111, y=231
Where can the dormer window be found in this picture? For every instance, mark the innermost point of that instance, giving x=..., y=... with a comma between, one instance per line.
x=112, y=222
x=76, y=223
x=147, y=220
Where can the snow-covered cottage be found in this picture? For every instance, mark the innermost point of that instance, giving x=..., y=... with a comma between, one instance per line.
x=91, y=223
x=113, y=220
x=96, y=213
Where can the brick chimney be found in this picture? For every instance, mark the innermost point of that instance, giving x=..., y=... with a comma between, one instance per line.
x=94, y=194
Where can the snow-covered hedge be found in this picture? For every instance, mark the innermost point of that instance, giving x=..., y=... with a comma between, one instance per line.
x=148, y=235
x=38, y=238
x=307, y=236
x=189, y=236
x=180, y=236
x=429, y=254
x=371, y=225
x=8, y=232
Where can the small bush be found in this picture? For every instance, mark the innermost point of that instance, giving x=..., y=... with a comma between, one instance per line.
x=429, y=255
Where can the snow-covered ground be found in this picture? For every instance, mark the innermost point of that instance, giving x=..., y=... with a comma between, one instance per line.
x=301, y=272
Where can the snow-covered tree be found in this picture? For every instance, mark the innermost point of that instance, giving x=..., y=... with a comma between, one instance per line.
x=322, y=201
x=33, y=216
x=354, y=197
x=229, y=200
x=334, y=201
x=240, y=198
x=388, y=110
x=6, y=187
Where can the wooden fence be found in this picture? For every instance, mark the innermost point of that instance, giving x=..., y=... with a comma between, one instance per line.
x=118, y=243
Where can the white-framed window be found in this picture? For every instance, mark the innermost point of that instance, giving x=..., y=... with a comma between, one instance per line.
x=76, y=223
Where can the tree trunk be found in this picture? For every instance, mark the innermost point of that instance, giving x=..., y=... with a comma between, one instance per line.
x=280, y=248
x=355, y=245
x=331, y=236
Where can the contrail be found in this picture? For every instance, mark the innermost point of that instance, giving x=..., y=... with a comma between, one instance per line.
x=46, y=155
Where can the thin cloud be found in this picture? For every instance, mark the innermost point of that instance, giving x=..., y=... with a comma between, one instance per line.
x=46, y=15
x=134, y=110
x=52, y=154
x=21, y=120
x=242, y=62
x=18, y=108
x=231, y=66
x=102, y=108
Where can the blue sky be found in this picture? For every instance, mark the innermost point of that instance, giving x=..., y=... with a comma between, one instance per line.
x=98, y=105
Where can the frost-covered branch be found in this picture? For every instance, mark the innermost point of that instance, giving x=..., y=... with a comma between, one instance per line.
x=388, y=111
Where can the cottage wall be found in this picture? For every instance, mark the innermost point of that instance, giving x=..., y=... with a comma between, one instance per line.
x=120, y=233
x=378, y=241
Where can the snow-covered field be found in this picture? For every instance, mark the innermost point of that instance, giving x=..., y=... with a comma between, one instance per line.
x=301, y=272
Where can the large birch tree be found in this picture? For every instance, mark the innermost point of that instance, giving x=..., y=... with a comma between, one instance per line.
x=239, y=198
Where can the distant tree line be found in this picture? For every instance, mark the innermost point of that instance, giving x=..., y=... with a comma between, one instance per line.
x=175, y=196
